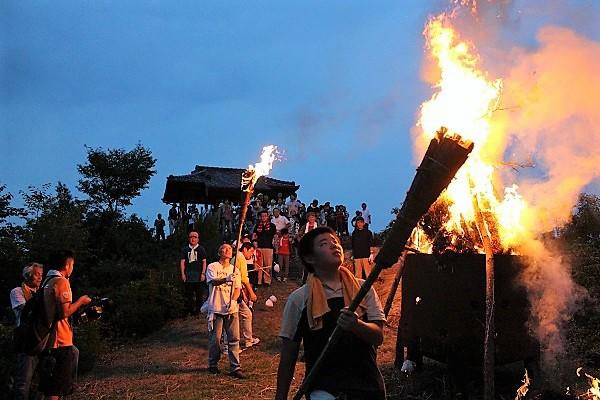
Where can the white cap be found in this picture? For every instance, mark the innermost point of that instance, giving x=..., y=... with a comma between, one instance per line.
x=269, y=303
x=276, y=267
x=273, y=298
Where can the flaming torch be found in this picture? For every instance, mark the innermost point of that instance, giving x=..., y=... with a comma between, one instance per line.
x=249, y=178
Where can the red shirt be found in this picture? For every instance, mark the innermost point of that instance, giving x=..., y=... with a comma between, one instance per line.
x=284, y=246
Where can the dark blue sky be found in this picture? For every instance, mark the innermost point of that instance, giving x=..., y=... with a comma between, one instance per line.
x=335, y=84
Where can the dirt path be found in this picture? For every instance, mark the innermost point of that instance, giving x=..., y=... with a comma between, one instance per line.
x=172, y=363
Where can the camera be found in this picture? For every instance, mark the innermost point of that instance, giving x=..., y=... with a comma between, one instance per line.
x=93, y=311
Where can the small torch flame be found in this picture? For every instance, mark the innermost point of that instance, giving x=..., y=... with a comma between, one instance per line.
x=251, y=175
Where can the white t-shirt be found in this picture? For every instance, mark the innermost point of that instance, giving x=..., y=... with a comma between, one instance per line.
x=280, y=222
x=17, y=301
x=366, y=214
x=219, y=297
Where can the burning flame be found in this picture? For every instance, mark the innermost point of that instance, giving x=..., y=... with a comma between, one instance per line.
x=262, y=168
x=594, y=389
x=464, y=102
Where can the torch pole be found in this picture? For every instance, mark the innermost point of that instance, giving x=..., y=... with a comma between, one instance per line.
x=249, y=192
x=488, y=340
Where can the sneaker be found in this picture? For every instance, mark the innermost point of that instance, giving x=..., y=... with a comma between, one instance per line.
x=284, y=279
x=278, y=279
x=213, y=370
x=237, y=374
x=251, y=343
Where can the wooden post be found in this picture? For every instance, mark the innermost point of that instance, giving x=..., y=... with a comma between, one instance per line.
x=394, y=288
x=488, y=340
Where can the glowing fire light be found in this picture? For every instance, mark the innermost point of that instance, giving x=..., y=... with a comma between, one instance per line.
x=594, y=389
x=464, y=102
x=251, y=175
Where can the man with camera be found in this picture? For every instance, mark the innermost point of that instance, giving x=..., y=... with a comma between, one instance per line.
x=26, y=364
x=59, y=359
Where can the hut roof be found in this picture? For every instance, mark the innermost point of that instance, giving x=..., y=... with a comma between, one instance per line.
x=211, y=185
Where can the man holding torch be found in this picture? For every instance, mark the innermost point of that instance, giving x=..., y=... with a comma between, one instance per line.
x=312, y=313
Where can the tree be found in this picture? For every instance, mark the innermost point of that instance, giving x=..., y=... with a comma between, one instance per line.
x=112, y=178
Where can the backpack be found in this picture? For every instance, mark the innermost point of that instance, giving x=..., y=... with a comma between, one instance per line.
x=34, y=329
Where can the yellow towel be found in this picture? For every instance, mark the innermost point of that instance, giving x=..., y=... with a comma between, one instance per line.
x=317, y=305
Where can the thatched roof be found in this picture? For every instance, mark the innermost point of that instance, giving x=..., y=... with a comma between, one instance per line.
x=210, y=185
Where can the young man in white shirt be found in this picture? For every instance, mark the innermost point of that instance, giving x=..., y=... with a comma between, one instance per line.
x=224, y=285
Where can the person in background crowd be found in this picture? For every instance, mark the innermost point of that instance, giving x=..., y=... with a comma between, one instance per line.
x=284, y=250
x=224, y=285
x=192, y=266
x=311, y=314
x=314, y=208
x=366, y=214
x=247, y=297
x=362, y=240
x=353, y=222
x=311, y=224
x=172, y=219
x=258, y=264
x=279, y=220
x=159, y=227
x=226, y=218
x=264, y=232
x=59, y=360
x=329, y=216
x=293, y=205
x=32, y=278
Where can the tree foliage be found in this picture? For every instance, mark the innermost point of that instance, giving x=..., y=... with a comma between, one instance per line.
x=112, y=178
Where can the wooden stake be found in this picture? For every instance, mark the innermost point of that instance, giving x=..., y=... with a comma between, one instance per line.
x=488, y=340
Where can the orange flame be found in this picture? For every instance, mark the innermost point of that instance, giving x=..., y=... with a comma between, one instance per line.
x=464, y=102
x=262, y=168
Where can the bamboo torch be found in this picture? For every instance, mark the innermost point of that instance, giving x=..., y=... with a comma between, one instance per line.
x=249, y=178
x=444, y=156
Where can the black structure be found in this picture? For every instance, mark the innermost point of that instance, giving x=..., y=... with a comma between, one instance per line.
x=443, y=309
x=211, y=185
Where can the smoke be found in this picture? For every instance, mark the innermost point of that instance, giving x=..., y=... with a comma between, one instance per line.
x=556, y=92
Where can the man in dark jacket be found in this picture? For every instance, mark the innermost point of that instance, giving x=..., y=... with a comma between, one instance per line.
x=362, y=240
x=264, y=231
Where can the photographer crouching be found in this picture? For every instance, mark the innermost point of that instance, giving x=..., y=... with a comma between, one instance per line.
x=58, y=362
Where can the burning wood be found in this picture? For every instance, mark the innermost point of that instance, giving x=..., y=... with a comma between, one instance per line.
x=524, y=388
x=594, y=390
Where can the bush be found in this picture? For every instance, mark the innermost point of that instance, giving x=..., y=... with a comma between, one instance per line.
x=91, y=345
x=144, y=306
x=8, y=358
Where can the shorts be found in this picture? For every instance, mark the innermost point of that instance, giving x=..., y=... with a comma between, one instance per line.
x=56, y=371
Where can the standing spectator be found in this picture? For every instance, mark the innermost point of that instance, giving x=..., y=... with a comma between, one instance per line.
x=248, y=297
x=293, y=205
x=353, y=222
x=311, y=314
x=192, y=265
x=224, y=286
x=366, y=214
x=264, y=231
x=284, y=250
x=159, y=227
x=256, y=265
x=59, y=306
x=172, y=219
x=341, y=220
x=279, y=220
x=26, y=364
x=329, y=216
x=226, y=219
x=313, y=207
x=362, y=240
x=311, y=224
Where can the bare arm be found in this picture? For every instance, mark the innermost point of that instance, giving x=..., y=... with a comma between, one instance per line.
x=287, y=366
x=369, y=332
x=182, y=269
x=69, y=309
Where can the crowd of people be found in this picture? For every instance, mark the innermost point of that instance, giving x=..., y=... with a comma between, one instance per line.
x=225, y=290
